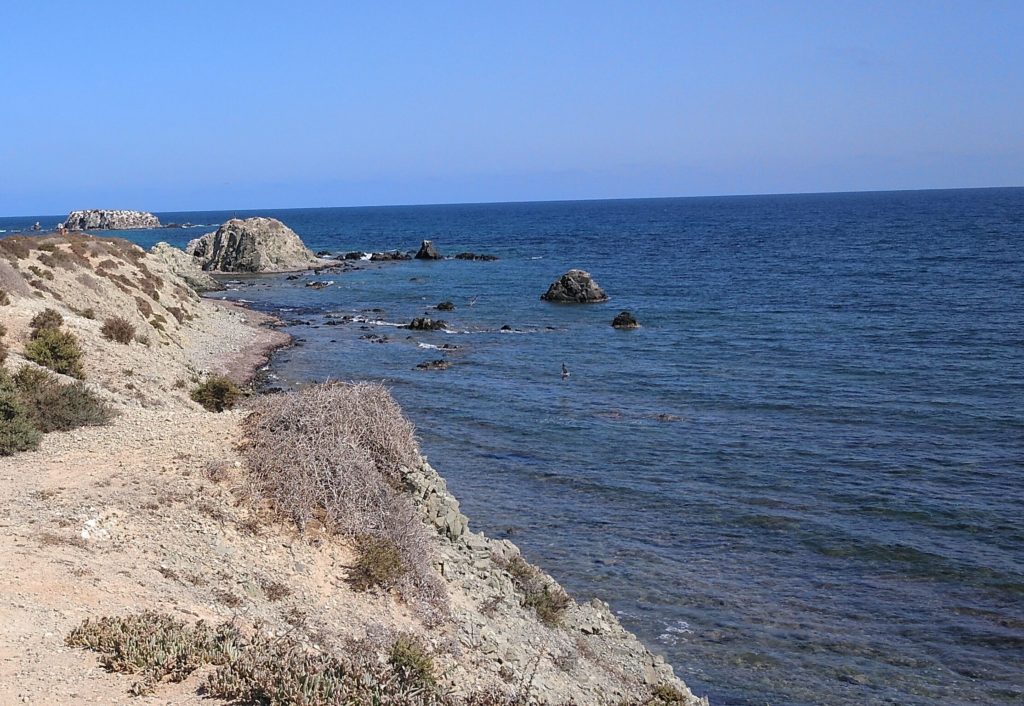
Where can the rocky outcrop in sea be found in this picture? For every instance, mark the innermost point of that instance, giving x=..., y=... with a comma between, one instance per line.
x=100, y=219
x=625, y=319
x=428, y=251
x=252, y=245
x=575, y=287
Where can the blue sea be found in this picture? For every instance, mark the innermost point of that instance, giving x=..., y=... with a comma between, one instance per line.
x=801, y=480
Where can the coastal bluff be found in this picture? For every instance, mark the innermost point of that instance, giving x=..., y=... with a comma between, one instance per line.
x=102, y=219
x=149, y=517
x=186, y=267
x=252, y=245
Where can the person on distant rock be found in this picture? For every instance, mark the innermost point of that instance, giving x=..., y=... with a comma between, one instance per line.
x=565, y=372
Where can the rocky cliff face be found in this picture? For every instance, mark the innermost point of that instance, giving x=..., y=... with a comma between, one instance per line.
x=99, y=219
x=588, y=657
x=252, y=245
x=186, y=267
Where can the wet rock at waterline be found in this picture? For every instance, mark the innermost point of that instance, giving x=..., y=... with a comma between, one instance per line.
x=575, y=287
x=389, y=256
x=428, y=251
x=425, y=324
x=439, y=364
x=625, y=319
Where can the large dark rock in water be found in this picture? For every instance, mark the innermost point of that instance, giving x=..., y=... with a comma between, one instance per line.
x=428, y=251
x=625, y=319
x=100, y=219
x=252, y=245
x=575, y=287
x=446, y=306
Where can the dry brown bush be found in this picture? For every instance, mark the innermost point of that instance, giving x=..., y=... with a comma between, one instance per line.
x=335, y=452
x=117, y=328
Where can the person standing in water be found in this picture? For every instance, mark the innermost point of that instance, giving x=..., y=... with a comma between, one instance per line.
x=565, y=372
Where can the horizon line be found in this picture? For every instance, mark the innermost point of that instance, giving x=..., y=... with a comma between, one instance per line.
x=594, y=199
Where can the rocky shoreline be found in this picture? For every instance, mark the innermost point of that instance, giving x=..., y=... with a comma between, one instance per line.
x=151, y=517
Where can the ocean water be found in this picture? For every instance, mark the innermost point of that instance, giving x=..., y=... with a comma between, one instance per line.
x=801, y=480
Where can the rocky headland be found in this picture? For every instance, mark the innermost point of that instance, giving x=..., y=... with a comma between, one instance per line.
x=102, y=219
x=150, y=520
x=252, y=245
x=185, y=266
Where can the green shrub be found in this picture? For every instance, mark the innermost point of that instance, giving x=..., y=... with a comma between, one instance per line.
x=118, y=329
x=667, y=695
x=3, y=346
x=57, y=350
x=379, y=564
x=154, y=646
x=45, y=319
x=546, y=598
x=217, y=393
x=412, y=660
x=53, y=406
x=17, y=433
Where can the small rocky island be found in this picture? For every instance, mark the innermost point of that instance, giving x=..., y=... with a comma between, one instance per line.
x=101, y=219
x=575, y=287
x=252, y=245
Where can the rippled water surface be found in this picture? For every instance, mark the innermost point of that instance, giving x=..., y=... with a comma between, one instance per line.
x=802, y=479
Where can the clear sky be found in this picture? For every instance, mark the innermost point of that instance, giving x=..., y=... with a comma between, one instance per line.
x=219, y=104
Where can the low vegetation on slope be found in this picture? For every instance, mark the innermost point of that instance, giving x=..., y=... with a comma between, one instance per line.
x=93, y=273
x=261, y=669
x=335, y=454
x=34, y=401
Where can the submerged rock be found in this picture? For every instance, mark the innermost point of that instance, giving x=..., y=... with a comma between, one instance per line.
x=575, y=287
x=185, y=266
x=425, y=324
x=446, y=306
x=475, y=256
x=319, y=284
x=428, y=251
x=355, y=255
x=625, y=319
x=100, y=219
x=439, y=364
x=252, y=245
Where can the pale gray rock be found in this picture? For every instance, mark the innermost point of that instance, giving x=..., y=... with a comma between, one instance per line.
x=252, y=245
x=101, y=219
x=185, y=266
x=508, y=634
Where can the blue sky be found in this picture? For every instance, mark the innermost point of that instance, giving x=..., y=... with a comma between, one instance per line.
x=217, y=104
